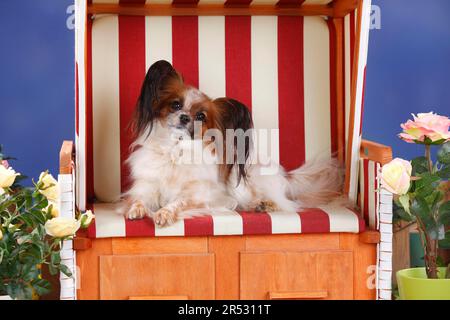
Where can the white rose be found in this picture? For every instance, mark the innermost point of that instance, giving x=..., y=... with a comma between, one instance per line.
x=396, y=176
x=61, y=227
x=86, y=219
x=50, y=186
x=7, y=177
x=55, y=208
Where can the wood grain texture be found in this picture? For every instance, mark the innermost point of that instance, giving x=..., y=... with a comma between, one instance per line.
x=298, y=295
x=190, y=275
x=226, y=251
x=220, y=269
x=370, y=236
x=309, y=271
x=89, y=269
x=66, y=157
x=80, y=243
x=128, y=246
x=343, y=7
x=375, y=151
x=158, y=298
x=364, y=263
x=292, y=242
x=210, y=10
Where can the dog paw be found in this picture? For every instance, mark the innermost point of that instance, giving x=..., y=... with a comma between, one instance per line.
x=137, y=211
x=164, y=217
x=266, y=206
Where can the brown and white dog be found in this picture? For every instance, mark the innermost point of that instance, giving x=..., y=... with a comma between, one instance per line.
x=164, y=186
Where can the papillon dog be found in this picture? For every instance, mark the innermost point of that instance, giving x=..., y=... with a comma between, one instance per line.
x=171, y=123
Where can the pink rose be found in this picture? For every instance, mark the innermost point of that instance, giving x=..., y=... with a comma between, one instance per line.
x=426, y=125
x=396, y=176
x=5, y=164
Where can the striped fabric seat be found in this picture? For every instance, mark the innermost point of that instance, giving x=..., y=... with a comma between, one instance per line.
x=109, y=223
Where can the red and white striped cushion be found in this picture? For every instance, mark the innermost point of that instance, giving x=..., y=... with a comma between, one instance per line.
x=278, y=66
x=319, y=220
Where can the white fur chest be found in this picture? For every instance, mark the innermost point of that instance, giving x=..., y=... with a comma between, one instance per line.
x=172, y=166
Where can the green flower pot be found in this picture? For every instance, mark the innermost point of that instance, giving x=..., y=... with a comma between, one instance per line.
x=413, y=284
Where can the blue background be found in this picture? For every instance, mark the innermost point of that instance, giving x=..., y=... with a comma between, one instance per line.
x=408, y=71
x=36, y=82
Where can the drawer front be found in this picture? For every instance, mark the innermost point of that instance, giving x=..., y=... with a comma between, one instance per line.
x=189, y=276
x=297, y=275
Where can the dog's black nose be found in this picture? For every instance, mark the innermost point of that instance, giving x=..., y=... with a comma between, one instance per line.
x=185, y=119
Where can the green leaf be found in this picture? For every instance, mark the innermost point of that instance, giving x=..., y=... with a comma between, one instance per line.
x=419, y=165
x=39, y=216
x=443, y=154
x=444, y=213
x=419, y=206
x=26, y=219
x=403, y=215
x=35, y=251
x=19, y=290
x=30, y=272
x=434, y=199
x=427, y=184
x=55, y=258
x=53, y=269
x=64, y=269
x=404, y=201
x=41, y=286
x=421, y=210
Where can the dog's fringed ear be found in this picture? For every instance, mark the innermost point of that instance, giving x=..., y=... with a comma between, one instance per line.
x=236, y=116
x=158, y=76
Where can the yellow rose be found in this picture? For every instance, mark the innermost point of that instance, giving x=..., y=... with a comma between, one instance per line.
x=86, y=219
x=1, y=234
x=61, y=227
x=396, y=176
x=55, y=209
x=50, y=187
x=7, y=177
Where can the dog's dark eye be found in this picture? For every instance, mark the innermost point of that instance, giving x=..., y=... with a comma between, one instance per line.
x=200, y=116
x=176, y=105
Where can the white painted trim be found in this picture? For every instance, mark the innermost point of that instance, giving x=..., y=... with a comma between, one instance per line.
x=68, y=257
x=362, y=62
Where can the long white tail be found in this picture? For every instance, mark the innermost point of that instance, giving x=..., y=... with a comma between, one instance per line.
x=316, y=183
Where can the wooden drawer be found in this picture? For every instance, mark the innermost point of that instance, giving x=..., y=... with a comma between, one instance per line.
x=177, y=276
x=296, y=275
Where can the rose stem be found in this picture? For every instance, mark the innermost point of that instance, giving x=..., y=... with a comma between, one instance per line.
x=428, y=156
